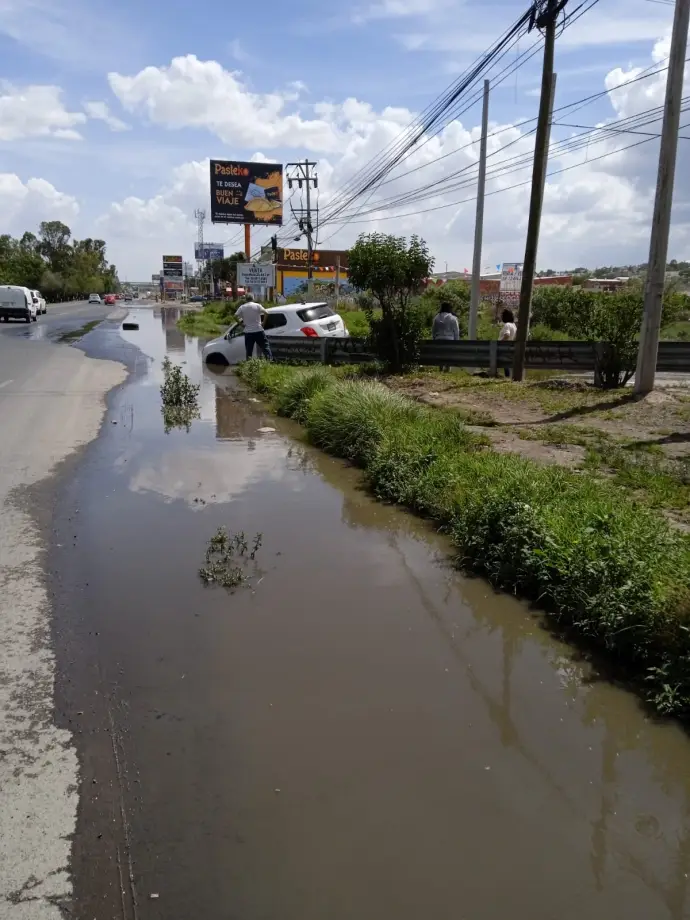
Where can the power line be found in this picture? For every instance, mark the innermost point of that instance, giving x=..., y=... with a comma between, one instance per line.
x=511, y=164
x=555, y=172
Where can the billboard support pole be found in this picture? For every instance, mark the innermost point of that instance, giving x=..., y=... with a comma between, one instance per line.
x=248, y=241
x=337, y=283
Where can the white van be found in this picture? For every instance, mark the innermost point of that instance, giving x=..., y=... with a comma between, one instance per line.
x=17, y=303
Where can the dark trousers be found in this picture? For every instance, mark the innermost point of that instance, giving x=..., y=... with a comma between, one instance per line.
x=257, y=338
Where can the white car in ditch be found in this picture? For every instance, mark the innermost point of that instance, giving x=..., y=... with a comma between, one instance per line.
x=313, y=320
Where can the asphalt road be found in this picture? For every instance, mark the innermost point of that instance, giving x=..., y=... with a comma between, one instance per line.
x=51, y=403
x=61, y=318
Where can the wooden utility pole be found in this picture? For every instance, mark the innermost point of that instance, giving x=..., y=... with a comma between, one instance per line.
x=661, y=221
x=546, y=20
x=479, y=221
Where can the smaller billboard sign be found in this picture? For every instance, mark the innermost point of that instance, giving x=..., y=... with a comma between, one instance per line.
x=172, y=272
x=177, y=259
x=246, y=193
x=256, y=274
x=208, y=252
x=156, y=277
x=511, y=277
x=173, y=285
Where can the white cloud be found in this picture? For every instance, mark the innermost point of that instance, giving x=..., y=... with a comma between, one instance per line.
x=398, y=9
x=190, y=93
x=238, y=52
x=99, y=111
x=597, y=212
x=36, y=111
x=25, y=204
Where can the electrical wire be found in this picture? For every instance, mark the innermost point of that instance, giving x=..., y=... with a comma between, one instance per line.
x=508, y=165
x=346, y=196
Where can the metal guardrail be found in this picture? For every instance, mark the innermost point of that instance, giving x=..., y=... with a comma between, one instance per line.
x=674, y=357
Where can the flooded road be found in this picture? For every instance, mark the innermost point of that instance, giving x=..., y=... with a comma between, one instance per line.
x=362, y=733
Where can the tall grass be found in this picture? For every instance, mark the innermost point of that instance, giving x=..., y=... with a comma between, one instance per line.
x=603, y=567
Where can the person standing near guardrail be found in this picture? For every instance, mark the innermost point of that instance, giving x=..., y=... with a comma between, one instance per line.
x=251, y=315
x=508, y=331
x=445, y=327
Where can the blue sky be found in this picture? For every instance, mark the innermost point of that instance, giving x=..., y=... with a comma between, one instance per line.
x=111, y=111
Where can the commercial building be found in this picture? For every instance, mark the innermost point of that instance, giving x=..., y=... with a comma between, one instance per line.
x=327, y=266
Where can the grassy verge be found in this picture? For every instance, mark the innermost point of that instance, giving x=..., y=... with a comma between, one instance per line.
x=603, y=567
x=79, y=333
x=211, y=321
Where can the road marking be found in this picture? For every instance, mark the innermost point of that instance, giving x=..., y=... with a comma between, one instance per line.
x=5, y=383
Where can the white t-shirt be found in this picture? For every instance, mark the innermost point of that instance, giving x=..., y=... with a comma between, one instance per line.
x=508, y=332
x=250, y=315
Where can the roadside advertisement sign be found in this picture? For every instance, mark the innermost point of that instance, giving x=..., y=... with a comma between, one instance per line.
x=246, y=193
x=173, y=285
x=325, y=259
x=173, y=267
x=156, y=278
x=208, y=252
x=511, y=278
x=256, y=274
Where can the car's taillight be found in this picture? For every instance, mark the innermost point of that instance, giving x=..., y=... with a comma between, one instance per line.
x=309, y=331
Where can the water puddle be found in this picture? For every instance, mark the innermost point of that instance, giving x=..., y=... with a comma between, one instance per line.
x=360, y=733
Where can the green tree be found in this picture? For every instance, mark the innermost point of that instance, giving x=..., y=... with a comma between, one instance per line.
x=226, y=270
x=54, y=244
x=393, y=271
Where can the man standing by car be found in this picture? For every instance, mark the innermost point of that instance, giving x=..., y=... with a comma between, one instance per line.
x=251, y=315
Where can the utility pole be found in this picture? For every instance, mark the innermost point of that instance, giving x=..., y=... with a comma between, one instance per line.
x=479, y=221
x=661, y=221
x=545, y=17
x=302, y=174
x=200, y=216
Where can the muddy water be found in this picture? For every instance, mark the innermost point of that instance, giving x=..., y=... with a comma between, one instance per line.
x=361, y=734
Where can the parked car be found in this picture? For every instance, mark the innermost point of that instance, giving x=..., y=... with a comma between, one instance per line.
x=95, y=298
x=17, y=302
x=39, y=299
x=109, y=299
x=313, y=320
x=128, y=298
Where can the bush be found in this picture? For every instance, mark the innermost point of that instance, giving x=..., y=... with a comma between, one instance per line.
x=601, y=566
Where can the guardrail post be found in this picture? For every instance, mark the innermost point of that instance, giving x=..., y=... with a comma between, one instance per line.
x=324, y=350
x=598, y=361
x=493, y=359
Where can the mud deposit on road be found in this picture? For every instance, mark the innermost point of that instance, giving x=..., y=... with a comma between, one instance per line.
x=362, y=733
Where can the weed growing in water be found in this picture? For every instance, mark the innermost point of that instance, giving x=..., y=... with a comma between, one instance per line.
x=180, y=398
x=229, y=559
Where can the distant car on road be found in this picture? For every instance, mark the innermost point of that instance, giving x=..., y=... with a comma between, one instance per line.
x=17, y=302
x=197, y=298
x=313, y=320
x=128, y=298
x=109, y=299
x=95, y=298
x=39, y=300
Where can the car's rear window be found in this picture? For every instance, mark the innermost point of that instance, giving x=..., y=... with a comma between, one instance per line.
x=312, y=313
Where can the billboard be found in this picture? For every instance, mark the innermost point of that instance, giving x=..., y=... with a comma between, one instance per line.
x=511, y=278
x=208, y=252
x=173, y=285
x=246, y=193
x=176, y=259
x=320, y=258
x=155, y=278
x=173, y=267
x=256, y=274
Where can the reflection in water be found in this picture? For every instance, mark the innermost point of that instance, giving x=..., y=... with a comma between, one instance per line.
x=572, y=759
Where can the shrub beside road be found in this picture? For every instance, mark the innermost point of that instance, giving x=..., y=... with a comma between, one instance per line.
x=604, y=567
